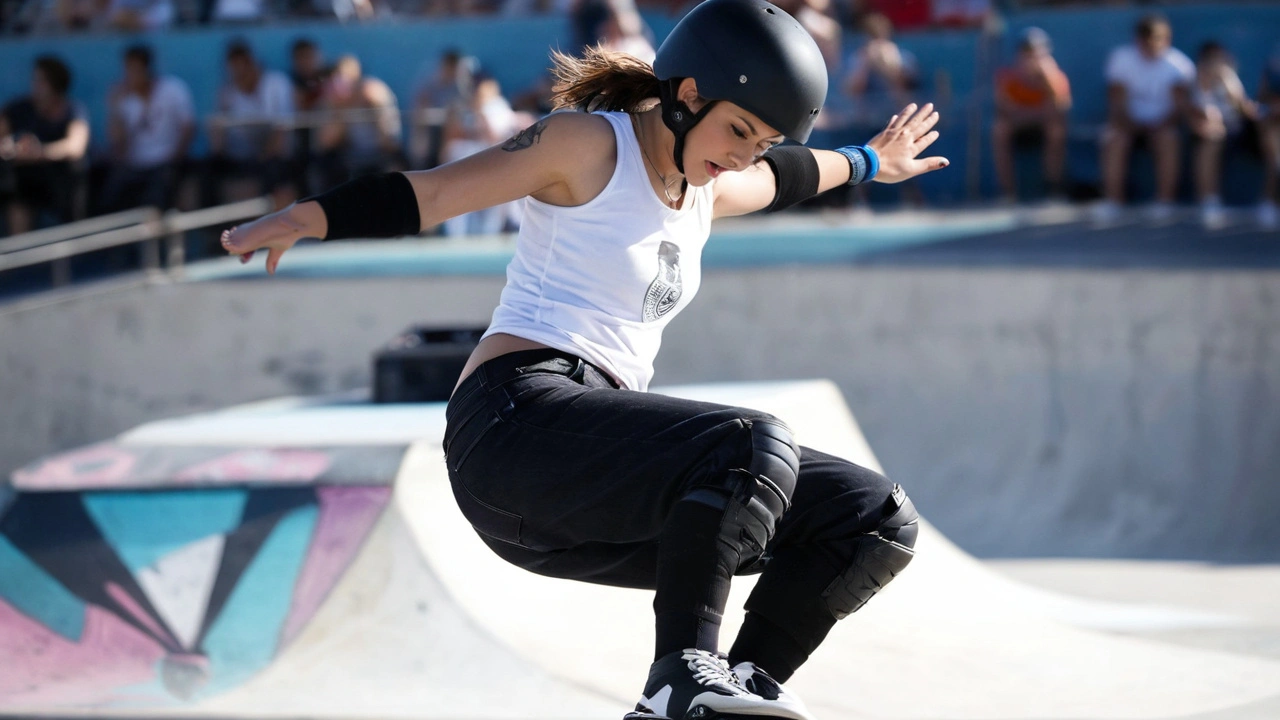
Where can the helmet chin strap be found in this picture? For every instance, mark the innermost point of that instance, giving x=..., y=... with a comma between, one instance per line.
x=679, y=118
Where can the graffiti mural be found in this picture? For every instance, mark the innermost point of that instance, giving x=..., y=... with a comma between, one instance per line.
x=176, y=591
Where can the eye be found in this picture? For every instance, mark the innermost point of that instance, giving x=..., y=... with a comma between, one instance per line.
x=738, y=132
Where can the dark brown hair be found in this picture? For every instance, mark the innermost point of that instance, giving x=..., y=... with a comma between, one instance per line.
x=601, y=80
x=55, y=72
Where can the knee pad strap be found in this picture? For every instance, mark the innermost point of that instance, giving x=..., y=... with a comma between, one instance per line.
x=878, y=558
x=754, y=497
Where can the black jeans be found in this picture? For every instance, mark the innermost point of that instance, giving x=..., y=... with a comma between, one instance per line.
x=565, y=475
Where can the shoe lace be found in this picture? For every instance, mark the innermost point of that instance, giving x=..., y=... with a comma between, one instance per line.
x=712, y=671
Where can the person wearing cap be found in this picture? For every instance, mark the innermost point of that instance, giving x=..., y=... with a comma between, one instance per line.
x=1148, y=97
x=1032, y=97
x=559, y=458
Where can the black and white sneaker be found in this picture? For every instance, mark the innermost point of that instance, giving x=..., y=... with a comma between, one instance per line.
x=761, y=683
x=698, y=685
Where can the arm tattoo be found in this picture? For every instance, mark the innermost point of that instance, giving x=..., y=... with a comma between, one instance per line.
x=526, y=138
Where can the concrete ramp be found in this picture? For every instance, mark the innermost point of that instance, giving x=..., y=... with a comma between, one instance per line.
x=366, y=595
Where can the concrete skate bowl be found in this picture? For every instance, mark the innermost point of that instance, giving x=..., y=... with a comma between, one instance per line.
x=1042, y=389
x=304, y=559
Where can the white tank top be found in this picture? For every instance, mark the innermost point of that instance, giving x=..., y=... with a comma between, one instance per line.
x=601, y=280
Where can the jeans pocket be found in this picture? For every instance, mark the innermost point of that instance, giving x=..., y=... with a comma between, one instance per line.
x=487, y=519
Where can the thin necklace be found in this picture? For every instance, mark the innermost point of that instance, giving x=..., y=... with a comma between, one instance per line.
x=635, y=123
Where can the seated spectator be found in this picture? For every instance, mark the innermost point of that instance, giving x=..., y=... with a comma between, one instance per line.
x=363, y=135
x=903, y=14
x=151, y=124
x=309, y=76
x=961, y=13
x=1219, y=109
x=1032, y=97
x=1147, y=96
x=43, y=139
x=224, y=12
x=248, y=137
x=140, y=15
x=1269, y=137
x=881, y=75
x=818, y=18
x=880, y=81
x=623, y=30
x=478, y=121
x=75, y=15
x=444, y=86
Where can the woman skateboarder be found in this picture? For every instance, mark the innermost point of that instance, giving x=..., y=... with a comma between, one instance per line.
x=558, y=457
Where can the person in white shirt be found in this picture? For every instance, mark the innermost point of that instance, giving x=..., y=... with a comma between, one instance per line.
x=363, y=134
x=1147, y=98
x=151, y=124
x=557, y=455
x=475, y=122
x=249, y=134
x=1220, y=109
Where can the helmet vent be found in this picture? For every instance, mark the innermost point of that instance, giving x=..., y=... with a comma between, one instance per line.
x=769, y=10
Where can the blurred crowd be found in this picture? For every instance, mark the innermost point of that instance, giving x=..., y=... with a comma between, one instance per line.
x=293, y=131
x=1158, y=99
x=77, y=16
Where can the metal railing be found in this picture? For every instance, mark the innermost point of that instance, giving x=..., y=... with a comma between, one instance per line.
x=147, y=225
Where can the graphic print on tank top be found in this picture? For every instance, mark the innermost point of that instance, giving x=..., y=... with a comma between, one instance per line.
x=665, y=290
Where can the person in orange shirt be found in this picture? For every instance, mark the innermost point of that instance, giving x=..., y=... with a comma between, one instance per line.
x=1032, y=97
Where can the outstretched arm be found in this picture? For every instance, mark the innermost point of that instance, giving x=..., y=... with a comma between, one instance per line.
x=898, y=147
x=557, y=160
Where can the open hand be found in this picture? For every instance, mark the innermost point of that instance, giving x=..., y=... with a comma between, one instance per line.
x=276, y=233
x=908, y=134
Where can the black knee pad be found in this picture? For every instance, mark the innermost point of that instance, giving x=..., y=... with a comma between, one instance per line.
x=754, y=497
x=878, y=557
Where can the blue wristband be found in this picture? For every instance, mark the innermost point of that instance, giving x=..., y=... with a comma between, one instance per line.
x=864, y=164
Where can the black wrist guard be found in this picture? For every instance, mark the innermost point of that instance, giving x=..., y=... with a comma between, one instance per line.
x=374, y=206
x=796, y=173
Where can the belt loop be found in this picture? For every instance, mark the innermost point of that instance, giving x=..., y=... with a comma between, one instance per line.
x=579, y=371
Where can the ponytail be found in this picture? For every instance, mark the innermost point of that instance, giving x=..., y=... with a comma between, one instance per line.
x=602, y=80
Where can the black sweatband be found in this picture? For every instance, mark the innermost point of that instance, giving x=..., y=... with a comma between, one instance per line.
x=796, y=172
x=373, y=206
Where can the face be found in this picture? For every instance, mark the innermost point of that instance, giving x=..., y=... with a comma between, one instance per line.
x=1029, y=56
x=136, y=75
x=1157, y=42
x=728, y=139
x=1213, y=61
x=240, y=70
x=41, y=90
x=306, y=61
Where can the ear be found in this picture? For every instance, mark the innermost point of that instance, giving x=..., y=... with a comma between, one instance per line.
x=687, y=93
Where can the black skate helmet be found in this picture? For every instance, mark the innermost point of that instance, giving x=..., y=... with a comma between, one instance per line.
x=748, y=52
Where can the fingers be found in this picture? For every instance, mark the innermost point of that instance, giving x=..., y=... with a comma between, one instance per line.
x=926, y=141
x=227, y=243
x=924, y=120
x=273, y=259
x=934, y=163
x=902, y=118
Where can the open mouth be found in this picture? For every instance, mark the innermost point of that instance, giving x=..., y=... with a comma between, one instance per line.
x=713, y=169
